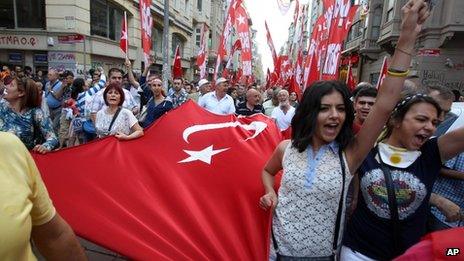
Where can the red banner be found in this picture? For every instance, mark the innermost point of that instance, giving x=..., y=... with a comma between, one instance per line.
x=146, y=27
x=203, y=52
x=173, y=194
x=243, y=32
x=382, y=73
x=340, y=14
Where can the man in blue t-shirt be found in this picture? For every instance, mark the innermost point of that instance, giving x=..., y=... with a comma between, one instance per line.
x=54, y=91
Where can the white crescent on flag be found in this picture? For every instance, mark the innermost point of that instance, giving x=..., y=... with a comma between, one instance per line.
x=257, y=126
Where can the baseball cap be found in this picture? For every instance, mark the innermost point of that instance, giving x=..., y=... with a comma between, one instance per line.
x=221, y=80
x=202, y=82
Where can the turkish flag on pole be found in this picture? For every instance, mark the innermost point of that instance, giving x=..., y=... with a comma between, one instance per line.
x=174, y=193
x=177, y=68
x=124, y=41
x=243, y=31
x=350, y=81
x=270, y=43
x=146, y=22
x=383, y=73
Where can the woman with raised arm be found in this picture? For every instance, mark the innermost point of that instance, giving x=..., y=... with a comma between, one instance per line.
x=319, y=160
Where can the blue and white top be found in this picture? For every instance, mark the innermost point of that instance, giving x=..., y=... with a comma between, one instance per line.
x=370, y=230
x=308, y=199
x=22, y=125
x=452, y=189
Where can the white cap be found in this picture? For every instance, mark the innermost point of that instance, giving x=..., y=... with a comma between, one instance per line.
x=202, y=82
x=221, y=80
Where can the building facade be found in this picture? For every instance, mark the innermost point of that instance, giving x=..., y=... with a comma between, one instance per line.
x=81, y=34
x=440, y=55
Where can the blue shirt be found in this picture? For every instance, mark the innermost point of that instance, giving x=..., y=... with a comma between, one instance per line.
x=53, y=103
x=452, y=189
x=314, y=160
x=22, y=125
x=370, y=230
x=155, y=111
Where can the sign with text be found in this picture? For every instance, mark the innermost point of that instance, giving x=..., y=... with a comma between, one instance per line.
x=70, y=39
x=429, y=52
x=12, y=41
x=62, y=61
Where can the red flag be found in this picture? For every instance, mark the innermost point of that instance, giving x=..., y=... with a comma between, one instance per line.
x=268, y=79
x=124, y=41
x=270, y=43
x=177, y=68
x=173, y=193
x=203, y=53
x=146, y=27
x=225, y=36
x=383, y=73
x=350, y=81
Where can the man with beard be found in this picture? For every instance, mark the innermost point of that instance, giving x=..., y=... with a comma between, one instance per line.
x=251, y=105
x=179, y=95
x=363, y=102
x=284, y=113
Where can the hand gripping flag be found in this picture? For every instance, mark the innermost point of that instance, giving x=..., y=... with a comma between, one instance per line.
x=187, y=190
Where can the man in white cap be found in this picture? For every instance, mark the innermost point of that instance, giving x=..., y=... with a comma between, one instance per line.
x=218, y=101
x=204, y=86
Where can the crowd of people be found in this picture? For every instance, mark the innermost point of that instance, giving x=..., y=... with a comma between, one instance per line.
x=387, y=151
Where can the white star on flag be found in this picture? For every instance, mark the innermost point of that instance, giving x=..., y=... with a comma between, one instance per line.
x=285, y=63
x=124, y=35
x=202, y=155
x=241, y=19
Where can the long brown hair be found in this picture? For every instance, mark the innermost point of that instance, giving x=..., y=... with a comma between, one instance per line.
x=32, y=97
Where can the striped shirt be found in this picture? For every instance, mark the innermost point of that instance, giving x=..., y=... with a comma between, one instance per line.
x=81, y=97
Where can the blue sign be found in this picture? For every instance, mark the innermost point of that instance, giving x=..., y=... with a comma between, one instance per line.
x=40, y=58
x=15, y=57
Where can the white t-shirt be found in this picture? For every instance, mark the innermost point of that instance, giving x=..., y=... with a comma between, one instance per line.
x=123, y=122
x=98, y=102
x=283, y=120
x=210, y=102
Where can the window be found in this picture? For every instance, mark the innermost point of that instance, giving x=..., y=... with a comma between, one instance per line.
x=374, y=78
x=28, y=13
x=376, y=21
x=199, y=5
x=177, y=40
x=198, y=37
x=157, y=39
x=105, y=19
x=390, y=9
x=355, y=31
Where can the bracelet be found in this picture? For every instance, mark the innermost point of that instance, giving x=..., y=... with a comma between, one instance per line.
x=403, y=51
x=396, y=73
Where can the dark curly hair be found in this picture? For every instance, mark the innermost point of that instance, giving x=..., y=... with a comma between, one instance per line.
x=304, y=123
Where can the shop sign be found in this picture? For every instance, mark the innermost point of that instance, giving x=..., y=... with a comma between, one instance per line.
x=70, y=39
x=40, y=58
x=9, y=41
x=62, y=61
x=15, y=57
x=429, y=52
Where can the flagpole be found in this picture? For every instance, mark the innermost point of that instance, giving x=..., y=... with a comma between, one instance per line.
x=127, y=35
x=166, y=46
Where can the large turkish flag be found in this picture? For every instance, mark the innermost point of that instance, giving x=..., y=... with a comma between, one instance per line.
x=188, y=189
